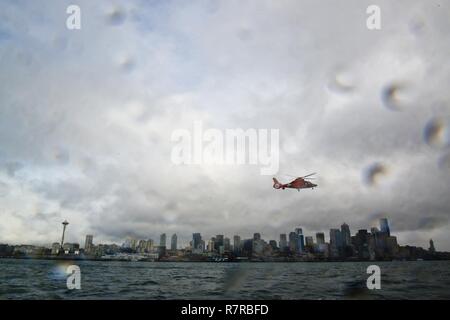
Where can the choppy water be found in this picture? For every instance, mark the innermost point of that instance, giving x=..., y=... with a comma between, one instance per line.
x=40, y=279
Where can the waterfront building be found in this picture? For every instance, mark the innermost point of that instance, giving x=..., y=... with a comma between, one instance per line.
x=227, y=244
x=173, y=242
x=88, y=243
x=236, y=244
x=335, y=243
x=384, y=226
x=258, y=247
x=273, y=244
x=309, y=241
x=71, y=248
x=320, y=238
x=432, y=249
x=283, y=244
x=247, y=247
x=392, y=246
x=56, y=246
x=162, y=241
x=218, y=242
x=142, y=246
x=196, y=241
x=293, y=242
x=361, y=243
x=346, y=235
x=300, y=240
x=211, y=245
x=150, y=245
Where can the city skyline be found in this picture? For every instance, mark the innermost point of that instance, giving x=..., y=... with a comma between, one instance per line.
x=169, y=240
x=378, y=244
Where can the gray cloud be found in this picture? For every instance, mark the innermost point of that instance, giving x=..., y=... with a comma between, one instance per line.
x=86, y=117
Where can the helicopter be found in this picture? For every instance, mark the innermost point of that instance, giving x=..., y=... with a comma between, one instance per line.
x=298, y=183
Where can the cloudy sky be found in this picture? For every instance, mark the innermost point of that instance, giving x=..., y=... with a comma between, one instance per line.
x=86, y=117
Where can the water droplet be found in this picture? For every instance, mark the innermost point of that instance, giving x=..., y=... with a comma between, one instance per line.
x=234, y=278
x=435, y=132
x=116, y=17
x=392, y=98
x=356, y=289
x=127, y=64
x=341, y=82
x=374, y=173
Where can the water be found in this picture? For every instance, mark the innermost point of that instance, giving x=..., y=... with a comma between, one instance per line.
x=40, y=279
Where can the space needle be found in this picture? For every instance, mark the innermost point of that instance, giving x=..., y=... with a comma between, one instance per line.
x=65, y=223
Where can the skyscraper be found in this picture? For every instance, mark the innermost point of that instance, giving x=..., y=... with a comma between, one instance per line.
x=227, y=244
x=173, y=242
x=346, y=235
x=335, y=238
x=162, y=240
x=273, y=244
x=149, y=247
x=300, y=239
x=283, y=242
x=88, y=243
x=211, y=245
x=142, y=246
x=196, y=241
x=361, y=243
x=335, y=242
x=309, y=241
x=320, y=238
x=134, y=243
x=236, y=244
x=218, y=242
x=432, y=249
x=257, y=236
x=293, y=242
x=384, y=226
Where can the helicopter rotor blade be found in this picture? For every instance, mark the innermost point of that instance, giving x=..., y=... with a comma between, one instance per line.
x=311, y=174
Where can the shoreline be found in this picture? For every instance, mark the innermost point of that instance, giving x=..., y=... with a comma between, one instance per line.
x=51, y=258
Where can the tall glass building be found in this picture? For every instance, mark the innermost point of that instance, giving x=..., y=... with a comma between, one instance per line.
x=384, y=226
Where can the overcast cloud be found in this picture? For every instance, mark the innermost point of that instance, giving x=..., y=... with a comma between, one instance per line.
x=86, y=117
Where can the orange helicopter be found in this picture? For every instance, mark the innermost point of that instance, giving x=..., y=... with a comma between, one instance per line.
x=297, y=183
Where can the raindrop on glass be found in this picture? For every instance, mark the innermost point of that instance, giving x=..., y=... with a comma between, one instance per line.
x=392, y=98
x=435, y=132
x=341, y=82
x=374, y=173
x=116, y=16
